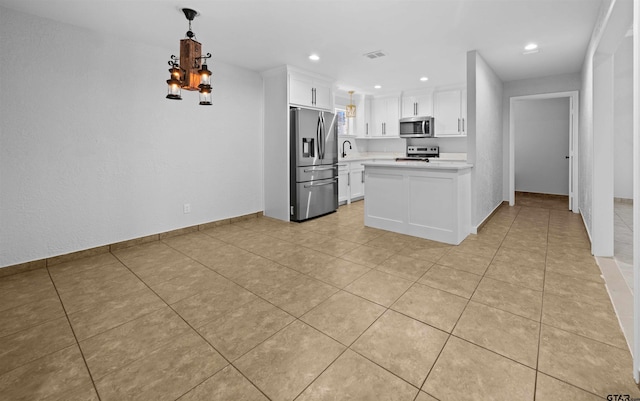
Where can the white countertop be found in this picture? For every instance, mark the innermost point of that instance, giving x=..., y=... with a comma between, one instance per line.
x=432, y=165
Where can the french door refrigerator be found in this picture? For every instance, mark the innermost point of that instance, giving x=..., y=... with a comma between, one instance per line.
x=313, y=163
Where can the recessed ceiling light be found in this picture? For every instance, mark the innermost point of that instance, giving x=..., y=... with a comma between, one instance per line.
x=378, y=86
x=424, y=79
x=531, y=46
x=314, y=57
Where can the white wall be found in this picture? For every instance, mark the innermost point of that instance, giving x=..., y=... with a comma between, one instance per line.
x=91, y=152
x=525, y=87
x=597, y=141
x=623, y=120
x=276, y=144
x=585, y=135
x=484, y=137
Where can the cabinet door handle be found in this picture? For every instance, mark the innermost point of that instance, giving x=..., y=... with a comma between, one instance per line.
x=362, y=179
x=458, y=125
x=348, y=179
x=463, y=125
x=366, y=129
x=416, y=106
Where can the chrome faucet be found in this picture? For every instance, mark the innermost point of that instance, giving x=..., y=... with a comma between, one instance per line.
x=344, y=154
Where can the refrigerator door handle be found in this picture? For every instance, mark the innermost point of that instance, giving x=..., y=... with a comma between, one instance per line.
x=311, y=170
x=321, y=140
x=324, y=137
x=318, y=128
x=321, y=185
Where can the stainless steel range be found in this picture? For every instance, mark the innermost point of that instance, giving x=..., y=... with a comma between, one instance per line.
x=420, y=153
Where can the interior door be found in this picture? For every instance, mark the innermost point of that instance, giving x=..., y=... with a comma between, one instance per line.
x=542, y=158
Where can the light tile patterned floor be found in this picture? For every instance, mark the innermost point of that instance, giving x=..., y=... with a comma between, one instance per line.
x=327, y=309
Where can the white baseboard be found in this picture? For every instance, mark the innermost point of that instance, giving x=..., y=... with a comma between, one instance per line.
x=474, y=229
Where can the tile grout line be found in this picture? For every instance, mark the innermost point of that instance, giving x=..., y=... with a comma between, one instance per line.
x=544, y=275
x=450, y=334
x=295, y=319
x=229, y=363
x=387, y=308
x=339, y=289
x=84, y=359
x=557, y=328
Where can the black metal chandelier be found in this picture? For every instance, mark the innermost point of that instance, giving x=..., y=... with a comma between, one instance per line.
x=190, y=71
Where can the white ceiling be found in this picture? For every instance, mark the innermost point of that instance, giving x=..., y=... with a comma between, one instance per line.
x=421, y=38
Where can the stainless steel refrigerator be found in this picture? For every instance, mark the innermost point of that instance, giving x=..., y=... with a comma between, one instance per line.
x=313, y=163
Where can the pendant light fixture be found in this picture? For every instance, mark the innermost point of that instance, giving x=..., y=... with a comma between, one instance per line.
x=190, y=71
x=351, y=108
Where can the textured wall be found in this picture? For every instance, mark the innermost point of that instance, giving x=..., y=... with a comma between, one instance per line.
x=91, y=153
x=484, y=137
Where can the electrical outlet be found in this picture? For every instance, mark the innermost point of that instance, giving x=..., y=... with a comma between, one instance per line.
x=187, y=208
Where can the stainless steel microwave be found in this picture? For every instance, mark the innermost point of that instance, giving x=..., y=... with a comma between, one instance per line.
x=417, y=127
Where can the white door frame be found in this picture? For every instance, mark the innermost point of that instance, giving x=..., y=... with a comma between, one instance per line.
x=574, y=118
x=636, y=189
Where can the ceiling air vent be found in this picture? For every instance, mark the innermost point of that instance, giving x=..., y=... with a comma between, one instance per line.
x=375, y=54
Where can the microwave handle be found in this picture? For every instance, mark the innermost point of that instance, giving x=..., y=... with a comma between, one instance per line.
x=424, y=131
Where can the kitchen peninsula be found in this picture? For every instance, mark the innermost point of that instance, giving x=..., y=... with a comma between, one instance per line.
x=428, y=200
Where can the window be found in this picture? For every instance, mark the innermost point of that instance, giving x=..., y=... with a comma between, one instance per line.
x=341, y=121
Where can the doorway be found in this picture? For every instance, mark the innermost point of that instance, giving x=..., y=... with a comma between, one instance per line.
x=543, y=155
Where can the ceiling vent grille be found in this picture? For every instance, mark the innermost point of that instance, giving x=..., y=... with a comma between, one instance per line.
x=375, y=54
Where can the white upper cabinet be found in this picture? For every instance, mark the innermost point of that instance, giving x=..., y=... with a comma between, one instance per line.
x=385, y=115
x=310, y=92
x=363, y=116
x=417, y=105
x=450, y=113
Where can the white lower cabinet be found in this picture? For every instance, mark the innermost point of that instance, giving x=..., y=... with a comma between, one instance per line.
x=350, y=181
x=356, y=174
x=343, y=183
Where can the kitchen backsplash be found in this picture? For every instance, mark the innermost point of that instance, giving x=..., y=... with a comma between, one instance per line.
x=447, y=145
x=399, y=146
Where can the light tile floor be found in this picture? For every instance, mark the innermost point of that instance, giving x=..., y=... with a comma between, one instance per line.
x=327, y=309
